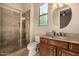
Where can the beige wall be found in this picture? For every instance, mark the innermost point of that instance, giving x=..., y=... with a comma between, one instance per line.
x=34, y=19
x=14, y=5
x=73, y=27
x=26, y=6
x=32, y=22
x=38, y=29
x=19, y=6
x=41, y=29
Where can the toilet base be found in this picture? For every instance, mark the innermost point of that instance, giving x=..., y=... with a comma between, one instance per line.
x=32, y=52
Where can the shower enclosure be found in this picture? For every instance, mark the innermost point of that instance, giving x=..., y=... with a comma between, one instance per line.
x=25, y=28
x=10, y=30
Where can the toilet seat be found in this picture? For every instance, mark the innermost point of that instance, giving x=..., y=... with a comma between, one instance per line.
x=32, y=45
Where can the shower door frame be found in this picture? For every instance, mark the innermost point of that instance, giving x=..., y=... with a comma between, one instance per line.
x=15, y=10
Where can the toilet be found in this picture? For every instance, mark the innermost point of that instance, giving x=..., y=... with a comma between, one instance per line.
x=32, y=46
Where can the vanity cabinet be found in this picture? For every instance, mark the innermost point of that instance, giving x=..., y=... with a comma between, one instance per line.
x=52, y=47
x=47, y=50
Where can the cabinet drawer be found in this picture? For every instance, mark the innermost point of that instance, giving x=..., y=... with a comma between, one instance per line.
x=74, y=47
x=43, y=40
x=58, y=43
x=68, y=53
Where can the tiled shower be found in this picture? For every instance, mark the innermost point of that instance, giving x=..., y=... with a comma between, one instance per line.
x=14, y=29
x=9, y=30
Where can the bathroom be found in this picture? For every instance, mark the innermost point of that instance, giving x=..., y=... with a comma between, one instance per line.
x=20, y=23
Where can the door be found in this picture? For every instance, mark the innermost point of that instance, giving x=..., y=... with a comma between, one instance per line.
x=51, y=50
x=43, y=49
x=47, y=50
x=25, y=28
x=9, y=28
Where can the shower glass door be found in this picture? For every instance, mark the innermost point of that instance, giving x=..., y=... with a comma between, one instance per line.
x=9, y=31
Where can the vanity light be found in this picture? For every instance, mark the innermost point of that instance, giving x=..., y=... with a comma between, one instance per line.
x=58, y=5
x=55, y=5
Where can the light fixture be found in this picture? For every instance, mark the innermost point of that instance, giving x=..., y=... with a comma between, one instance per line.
x=58, y=5
x=55, y=5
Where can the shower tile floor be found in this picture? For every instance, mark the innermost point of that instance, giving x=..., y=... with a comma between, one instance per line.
x=21, y=52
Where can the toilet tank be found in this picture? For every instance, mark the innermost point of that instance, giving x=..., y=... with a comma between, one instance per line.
x=37, y=38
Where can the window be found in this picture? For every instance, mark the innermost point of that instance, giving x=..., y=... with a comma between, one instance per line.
x=44, y=15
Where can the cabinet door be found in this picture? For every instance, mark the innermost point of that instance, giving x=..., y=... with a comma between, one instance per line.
x=51, y=50
x=68, y=53
x=74, y=47
x=47, y=50
x=43, y=50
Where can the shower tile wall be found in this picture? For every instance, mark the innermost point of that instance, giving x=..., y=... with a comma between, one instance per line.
x=9, y=31
x=27, y=27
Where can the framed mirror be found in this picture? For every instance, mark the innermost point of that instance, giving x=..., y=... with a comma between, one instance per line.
x=62, y=16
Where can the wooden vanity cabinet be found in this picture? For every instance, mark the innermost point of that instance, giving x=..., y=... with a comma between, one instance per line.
x=47, y=50
x=52, y=47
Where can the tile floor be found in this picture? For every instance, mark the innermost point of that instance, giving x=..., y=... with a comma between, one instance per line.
x=21, y=52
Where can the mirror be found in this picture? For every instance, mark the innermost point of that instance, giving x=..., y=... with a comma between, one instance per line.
x=62, y=16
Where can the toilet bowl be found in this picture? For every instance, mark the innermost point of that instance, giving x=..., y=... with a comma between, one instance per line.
x=32, y=46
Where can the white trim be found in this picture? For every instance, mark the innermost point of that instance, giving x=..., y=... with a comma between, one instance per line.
x=20, y=29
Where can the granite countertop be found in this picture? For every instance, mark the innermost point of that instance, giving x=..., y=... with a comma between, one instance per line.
x=65, y=39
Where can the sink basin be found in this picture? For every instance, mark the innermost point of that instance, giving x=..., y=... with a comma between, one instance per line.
x=60, y=37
